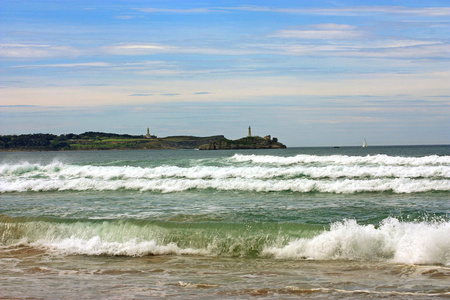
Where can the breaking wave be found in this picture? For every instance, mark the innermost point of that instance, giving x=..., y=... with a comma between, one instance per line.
x=393, y=240
x=253, y=173
x=396, y=241
x=379, y=159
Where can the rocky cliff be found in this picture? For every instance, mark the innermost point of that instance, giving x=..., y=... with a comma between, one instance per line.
x=253, y=142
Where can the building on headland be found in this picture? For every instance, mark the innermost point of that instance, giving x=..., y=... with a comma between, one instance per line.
x=248, y=142
x=150, y=136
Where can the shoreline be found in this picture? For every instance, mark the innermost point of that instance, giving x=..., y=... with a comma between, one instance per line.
x=98, y=141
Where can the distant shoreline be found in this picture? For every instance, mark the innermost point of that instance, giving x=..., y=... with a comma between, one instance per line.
x=99, y=141
x=295, y=147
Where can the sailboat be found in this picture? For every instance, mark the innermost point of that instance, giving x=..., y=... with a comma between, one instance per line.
x=364, y=144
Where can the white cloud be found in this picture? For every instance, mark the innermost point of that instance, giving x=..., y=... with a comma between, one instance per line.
x=176, y=11
x=320, y=32
x=349, y=41
x=153, y=48
x=137, y=49
x=72, y=65
x=332, y=40
x=232, y=89
x=125, y=17
x=144, y=68
x=395, y=43
x=357, y=10
x=422, y=51
x=36, y=51
x=371, y=49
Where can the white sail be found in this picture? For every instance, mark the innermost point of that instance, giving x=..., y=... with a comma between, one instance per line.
x=364, y=143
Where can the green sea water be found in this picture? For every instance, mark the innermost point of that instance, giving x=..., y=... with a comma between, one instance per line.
x=345, y=222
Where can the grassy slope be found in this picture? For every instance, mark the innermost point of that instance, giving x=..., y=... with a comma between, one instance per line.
x=179, y=142
x=98, y=141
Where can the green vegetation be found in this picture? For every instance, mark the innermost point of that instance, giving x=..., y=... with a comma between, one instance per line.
x=252, y=142
x=98, y=141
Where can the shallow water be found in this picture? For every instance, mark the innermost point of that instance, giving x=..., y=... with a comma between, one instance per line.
x=309, y=222
x=30, y=273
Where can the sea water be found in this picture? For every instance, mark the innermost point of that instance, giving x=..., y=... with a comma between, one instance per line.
x=345, y=222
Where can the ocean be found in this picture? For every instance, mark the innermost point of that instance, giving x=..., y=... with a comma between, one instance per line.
x=347, y=222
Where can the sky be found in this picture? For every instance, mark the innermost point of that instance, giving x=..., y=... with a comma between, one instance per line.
x=311, y=73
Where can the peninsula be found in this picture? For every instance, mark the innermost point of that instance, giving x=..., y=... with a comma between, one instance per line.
x=99, y=141
x=112, y=141
x=250, y=142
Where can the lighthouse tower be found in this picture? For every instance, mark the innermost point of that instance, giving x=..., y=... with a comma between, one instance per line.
x=249, y=131
x=148, y=133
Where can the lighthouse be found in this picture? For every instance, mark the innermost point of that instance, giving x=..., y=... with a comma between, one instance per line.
x=249, y=131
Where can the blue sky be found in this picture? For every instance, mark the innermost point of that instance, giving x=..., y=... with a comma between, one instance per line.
x=312, y=73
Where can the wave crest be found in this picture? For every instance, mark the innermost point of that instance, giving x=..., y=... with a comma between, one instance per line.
x=406, y=175
x=379, y=159
x=395, y=241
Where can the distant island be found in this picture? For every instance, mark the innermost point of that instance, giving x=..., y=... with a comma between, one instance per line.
x=111, y=141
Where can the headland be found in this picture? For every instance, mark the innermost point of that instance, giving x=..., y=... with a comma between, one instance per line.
x=112, y=141
x=249, y=142
x=99, y=141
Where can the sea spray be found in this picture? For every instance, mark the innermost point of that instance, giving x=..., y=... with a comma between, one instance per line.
x=393, y=240
x=139, y=238
x=424, y=242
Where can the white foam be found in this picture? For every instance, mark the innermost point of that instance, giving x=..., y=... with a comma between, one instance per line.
x=371, y=293
x=379, y=159
x=98, y=246
x=399, y=242
x=336, y=174
x=93, y=238
x=397, y=185
x=63, y=171
x=394, y=241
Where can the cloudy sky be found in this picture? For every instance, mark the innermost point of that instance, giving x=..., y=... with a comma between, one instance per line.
x=312, y=73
